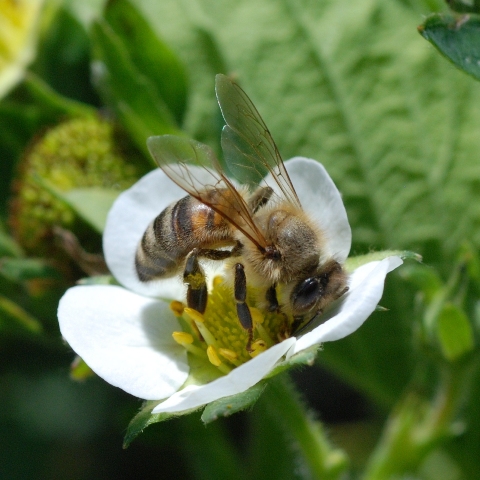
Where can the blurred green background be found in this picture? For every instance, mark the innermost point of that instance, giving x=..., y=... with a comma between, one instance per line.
x=351, y=84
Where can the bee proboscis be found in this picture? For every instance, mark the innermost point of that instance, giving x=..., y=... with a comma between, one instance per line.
x=261, y=230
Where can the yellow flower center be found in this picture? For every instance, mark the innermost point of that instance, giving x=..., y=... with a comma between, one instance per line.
x=218, y=334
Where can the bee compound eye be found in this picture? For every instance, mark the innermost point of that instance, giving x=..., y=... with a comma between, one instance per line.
x=306, y=294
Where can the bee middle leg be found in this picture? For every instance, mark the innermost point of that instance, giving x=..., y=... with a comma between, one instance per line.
x=243, y=310
x=194, y=276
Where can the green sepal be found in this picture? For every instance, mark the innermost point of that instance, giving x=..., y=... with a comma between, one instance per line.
x=13, y=317
x=457, y=38
x=226, y=406
x=92, y=204
x=304, y=357
x=22, y=269
x=127, y=90
x=150, y=55
x=144, y=418
x=454, y=332
x=352, y=263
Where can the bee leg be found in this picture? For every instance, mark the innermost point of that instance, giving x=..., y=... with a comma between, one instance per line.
x=194, y=277
x=271, y=297
x=213, y=254
x=243, y=311
x=260, y=197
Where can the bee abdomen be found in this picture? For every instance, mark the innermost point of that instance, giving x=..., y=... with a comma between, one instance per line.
x=157, y=253
x=181, y=227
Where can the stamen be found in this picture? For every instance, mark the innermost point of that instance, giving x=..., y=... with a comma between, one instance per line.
x=199, y=321
x=182, y=338
x=193, y=314
x=215, y=360
x=230, y=355
x=258, y=320
x=213, y=356
x=186, y=341
x=257, y=347
x=177, y=308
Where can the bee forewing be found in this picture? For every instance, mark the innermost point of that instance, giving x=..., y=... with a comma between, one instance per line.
x=250, y=151
x=177, y=155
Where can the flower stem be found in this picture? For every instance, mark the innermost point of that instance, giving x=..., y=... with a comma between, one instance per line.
x=284, y=404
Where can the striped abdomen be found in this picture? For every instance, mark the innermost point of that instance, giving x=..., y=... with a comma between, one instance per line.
x=181, y=227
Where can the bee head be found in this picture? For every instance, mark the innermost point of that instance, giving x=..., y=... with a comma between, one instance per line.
x=313, y=293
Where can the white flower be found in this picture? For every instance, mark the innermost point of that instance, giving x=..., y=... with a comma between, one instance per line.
x=125, y=334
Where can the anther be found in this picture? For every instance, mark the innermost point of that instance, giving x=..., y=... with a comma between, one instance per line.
x=199, y=322
x=182, y=338
x=213, y=356
x=177, y=308
x=186, y=341
x=230, y=355
x=257, y=347
x=215, y=360
x=193, y=314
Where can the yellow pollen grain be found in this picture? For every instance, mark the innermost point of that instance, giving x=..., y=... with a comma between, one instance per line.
x=218, y=280
x=177, y=308
x=193, y=315
x=182, y=338
x=213, y=356
x=258, y=346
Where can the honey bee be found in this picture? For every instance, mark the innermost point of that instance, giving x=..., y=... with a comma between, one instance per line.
x=261, y=230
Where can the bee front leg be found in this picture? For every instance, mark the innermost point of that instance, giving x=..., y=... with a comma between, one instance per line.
x=243, y=311
x=271, y=297
x=194, y=277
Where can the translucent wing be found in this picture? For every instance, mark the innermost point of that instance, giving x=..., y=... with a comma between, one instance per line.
x=177, y=155
x=247, y=143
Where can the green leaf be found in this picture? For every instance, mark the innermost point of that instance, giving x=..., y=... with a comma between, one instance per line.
x=22, y=269
x=50, y=100
x=424, y=278
x=14, y=317
x=224, y=407
x=454, y=332
x=92, y=204
x=457, y=38
x=150, y=55
x=144, y=418
x=129, y=92
x=464, y=6
x=8, y=246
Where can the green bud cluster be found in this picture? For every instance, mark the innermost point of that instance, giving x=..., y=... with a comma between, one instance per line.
x=79, y=153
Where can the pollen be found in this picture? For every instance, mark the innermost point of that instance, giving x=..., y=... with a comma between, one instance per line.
x=217, y=335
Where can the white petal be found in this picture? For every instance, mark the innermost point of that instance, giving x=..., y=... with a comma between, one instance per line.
x=366, y=288
x=238, y=380
x=125, y=338
x=321, y=199
x=126, y=223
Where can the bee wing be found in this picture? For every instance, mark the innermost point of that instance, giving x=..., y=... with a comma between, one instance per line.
x=247, y=143
x=176, y=155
